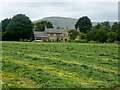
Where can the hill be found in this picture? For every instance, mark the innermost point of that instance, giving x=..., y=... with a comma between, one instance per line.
x=60, y=21
x=63, y=22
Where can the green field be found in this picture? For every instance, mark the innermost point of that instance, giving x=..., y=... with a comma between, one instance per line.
x=59, y=65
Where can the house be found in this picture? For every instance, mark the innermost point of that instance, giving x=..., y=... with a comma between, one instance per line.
x=41, y=36
x=52, y=35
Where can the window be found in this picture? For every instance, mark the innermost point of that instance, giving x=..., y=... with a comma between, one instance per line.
x=58, y=35
x=51, y=34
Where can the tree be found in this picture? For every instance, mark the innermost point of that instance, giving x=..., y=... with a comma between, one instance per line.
x=91, y=35
x=98, y=26
x=111, y=36
x=118, y=32
x=0, y=31
x=114, y=27
x=73, y=34
x=83, y=36
x=101, y=35
x=40, y=26
x=20, y=27
x=5, y=22
x=49, y=24
x=106, y=24
x=84, y=24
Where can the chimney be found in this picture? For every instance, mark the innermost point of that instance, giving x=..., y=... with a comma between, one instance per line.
x=45, y=27
x=78, y=29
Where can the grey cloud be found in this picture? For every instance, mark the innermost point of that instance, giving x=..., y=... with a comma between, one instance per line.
x=97, y=11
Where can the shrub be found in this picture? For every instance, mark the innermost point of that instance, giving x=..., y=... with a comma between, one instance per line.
x=73, y=34
x=83, y=36
x=92, y=41
x=70, y=40
x=111, y=36
x=81, y=41
x=101, y=35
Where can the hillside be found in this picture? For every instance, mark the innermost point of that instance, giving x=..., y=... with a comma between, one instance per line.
x=60, y=21
x=64, y=22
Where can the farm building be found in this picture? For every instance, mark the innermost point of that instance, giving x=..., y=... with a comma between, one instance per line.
x=41, y=36
x=52, y=35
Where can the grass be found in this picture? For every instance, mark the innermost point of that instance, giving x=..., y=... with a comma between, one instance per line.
x=59, y=65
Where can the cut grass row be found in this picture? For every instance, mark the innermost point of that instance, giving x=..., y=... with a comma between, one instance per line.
x=61, y=65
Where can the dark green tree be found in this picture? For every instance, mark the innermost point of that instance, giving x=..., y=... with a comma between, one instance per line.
x=98, y=26
x=118, y=32
x=5, y=22
x=40, y=26
x=0, y=31
x=20, y=27
x=112, y=36
x=101, y=35
x=114, y=27
x=83, y=35
x=73, y=34
x=84, y=24
x=49, y=24
x=106, y=24
x=91, y=35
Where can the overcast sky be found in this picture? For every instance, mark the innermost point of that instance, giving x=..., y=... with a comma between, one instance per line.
x=96, y=10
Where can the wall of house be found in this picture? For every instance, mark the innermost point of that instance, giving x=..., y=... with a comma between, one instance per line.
x=55, y=37
x=59, y=37
x=65, y=35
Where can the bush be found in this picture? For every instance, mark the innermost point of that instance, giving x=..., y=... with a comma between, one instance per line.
x=91, y=35
x=73, y=34
x=101, y=35
x=92, y=41
x=78, y=41
x=70, y=40
x=116, y=42
x=111, y=36
x=83, y=36
x=81, y=41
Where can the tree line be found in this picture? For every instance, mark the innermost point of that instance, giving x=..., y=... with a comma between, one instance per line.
x=20, y=27
x=102, y=32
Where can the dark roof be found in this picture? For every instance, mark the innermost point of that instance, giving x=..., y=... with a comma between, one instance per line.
x=40, y=35
x=56, y=31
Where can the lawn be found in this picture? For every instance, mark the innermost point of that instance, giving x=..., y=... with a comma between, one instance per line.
x=59, y=65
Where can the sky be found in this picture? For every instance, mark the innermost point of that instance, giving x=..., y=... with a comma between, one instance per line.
x=96, y=10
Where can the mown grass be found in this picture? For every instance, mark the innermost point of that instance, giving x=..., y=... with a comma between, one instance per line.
x=59, y=65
